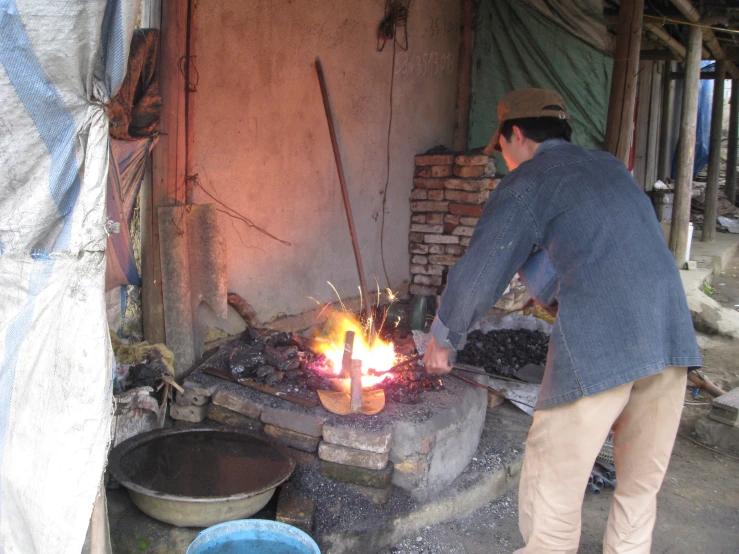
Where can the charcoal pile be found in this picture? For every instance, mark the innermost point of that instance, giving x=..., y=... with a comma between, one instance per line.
x=505, y=351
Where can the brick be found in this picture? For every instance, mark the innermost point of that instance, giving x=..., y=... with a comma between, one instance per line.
x=470, y=185
x=464, y=231
x=464, y=241
x=419, y=228
x=418, y=259
x=193, y=397
x=494, y=400
x=358, y=476
x=472, y=159
x=434, y=159
x=429, y=206
x=299, y=422
x=465, y=209
x=426, y=269
x=441, y=170
x=419, y=194
x=236, y=403
x=352, y=457
x=436, y=195
x=440, y=239
x=376, y=496
x=449, y=228
x=469, y=220
x=467, y=171
x=302, y=458
x=416, y=248
x=434, y=219
x=285, y=437
x=377, y=440
x=295, y=509
x=422, y=183
x=451, y=218
x=469, y=197
x=444, y=260
x=224, y=416
x=191, y=414
x=418, y=218
x=422, y=290
x=416, y=237
x=454, y=249
x=493, y=183
x=430, y=280
x=436, y=248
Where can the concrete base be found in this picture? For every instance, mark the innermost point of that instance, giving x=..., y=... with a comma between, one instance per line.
x=714, y=433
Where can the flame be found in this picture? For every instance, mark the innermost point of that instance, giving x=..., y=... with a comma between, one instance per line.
x=379, y=355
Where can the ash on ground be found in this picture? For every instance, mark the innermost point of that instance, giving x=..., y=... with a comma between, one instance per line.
x=505, y=351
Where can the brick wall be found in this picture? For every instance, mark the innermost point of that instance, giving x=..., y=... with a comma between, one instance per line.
x=449, y=192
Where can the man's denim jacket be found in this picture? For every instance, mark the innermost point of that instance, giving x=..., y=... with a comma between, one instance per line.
x=622, y=308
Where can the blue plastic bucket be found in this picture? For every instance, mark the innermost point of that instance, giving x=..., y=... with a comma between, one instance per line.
x=253, y=536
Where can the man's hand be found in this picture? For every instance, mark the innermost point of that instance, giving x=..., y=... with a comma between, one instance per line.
x=436, y=359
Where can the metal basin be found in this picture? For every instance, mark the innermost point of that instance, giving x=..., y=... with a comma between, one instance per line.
x=199, y=477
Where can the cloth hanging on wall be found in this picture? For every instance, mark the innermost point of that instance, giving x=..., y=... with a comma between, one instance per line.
x=581, y=18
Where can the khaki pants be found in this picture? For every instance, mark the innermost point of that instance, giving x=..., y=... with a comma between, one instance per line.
x=560, y=452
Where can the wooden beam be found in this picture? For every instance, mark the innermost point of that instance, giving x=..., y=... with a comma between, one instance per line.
x=651, y=54
x=714, y=156
x=704, y=75
x=619, y=125
x=686, y=150
x=668, y=100
x=464, y=81
x=731, y=157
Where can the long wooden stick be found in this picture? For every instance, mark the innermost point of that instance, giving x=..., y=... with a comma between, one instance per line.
x=342, y=182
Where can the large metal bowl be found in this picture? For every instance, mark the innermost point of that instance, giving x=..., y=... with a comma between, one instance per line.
x=199, y=477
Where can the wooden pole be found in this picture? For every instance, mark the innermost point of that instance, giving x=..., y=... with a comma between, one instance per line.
x=668, y=100
x=686, y=149
x=619, y=127
x=464, y=81
x=731, y=157
x=714, y=155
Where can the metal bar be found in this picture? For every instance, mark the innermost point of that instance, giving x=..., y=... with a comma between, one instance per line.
x=266, y=389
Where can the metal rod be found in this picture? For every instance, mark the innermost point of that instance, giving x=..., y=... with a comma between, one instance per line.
x=342, y=182
x=266, y=389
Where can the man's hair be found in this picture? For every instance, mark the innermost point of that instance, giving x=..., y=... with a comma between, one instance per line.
x=538, y=129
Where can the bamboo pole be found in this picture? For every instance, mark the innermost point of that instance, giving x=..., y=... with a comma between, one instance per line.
x=731, y=158
x=620, y=124
x=668, y=100
x=686, y=150
x=464, y=82
x=714, y=155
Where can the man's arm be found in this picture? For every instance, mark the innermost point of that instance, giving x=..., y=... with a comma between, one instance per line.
x=502, y=241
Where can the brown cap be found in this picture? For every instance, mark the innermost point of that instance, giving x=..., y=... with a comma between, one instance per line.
x=528, y=102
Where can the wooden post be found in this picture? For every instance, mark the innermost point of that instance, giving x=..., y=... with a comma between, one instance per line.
x=464, y=81
x=714, y=155
x=686, y=149
x=668, y=100
x=619, y=126
x=731, y=157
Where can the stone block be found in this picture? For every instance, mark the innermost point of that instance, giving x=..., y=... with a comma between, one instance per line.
x=465, y=241
x=435, y=159
x=440, y=239
x=728, y=401
x=454, y=249
x=419, y=194
x=421, y=183
x=416, y=248
x=419, y=228
x=429, y=206
x=192, y=397
x=436, y=195
x=451, y=218
x=464, y=231
x=422, y=290
x=418, y=218
x=691, y=265
x=471, y=221
x=714, y=433
x=358, y=476
x=351, y=456
x=236, y=403
x=469, y=197
x=191, y=414
x=376, y=496
x=415, y=237
x=418, y=259
x=430, y=280
x=434, y=219
x=285, y=437
x=436, y=248
x=191, y=384
x=467, y=171
x=465, y=209
x=302, y=458
x=426, y=269
x=468, y=185
x=449, y=228
x=295, y=509
x=225, y=416
x=722, y=416
x=372, y=440
x=300, y=422
x=472, y=159
x=444, y=260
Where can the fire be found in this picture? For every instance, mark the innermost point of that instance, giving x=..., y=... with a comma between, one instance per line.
x=379, y=355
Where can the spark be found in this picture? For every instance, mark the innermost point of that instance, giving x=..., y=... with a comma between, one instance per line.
x=338, y=296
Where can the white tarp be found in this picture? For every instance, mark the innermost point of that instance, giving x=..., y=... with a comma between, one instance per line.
x=60, y=62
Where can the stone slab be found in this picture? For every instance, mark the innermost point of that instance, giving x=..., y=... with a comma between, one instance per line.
x=714, y=433
x=724, y=416
x=299, y=422
x=371, y=440
x=225, y=416
x=351, y=456
x=191, y=414
x=237, y=403
x=295, y=509
x=357, y=475
x=286, y=437
x=728, y=402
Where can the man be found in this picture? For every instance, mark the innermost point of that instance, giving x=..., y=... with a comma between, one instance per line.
x=623, y=336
